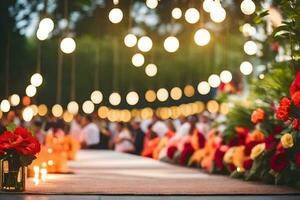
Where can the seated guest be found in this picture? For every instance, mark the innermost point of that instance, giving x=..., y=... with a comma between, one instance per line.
x=123, y=141
x=90, y=133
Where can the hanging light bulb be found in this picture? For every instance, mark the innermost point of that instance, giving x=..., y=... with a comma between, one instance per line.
x=192, y=15
x=246, y=68
x=151, y=70
x=42, y=34
x=42, y=110
x=15, y=100
x=96, y=97
x=162, y=94
x=248, y=7
x=176, y=13
x=57, y=110
x=218, y=14
x=36, y=80
x=176, y=93
x=68, y=45
x=152, y=3
x=130, y=40
x=208, y=5
x=88, y=107
x=150, y=95
x=214, y=80
x=73, y=107
x=5, y=106
x=203, y=87
x=132, y=98
x=138, y=60
x=30, y=90
x=67, y=116
x=250, y=48
x=202, y=37
x=115, y=15
x=145, y=44
x=27, y=114
x=46, y=25
x=115, y=99
x=171, y=44
x=248, y=30
x=226, y=76
x=34, y=109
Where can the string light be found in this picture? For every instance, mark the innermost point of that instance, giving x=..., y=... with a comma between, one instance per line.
x=145, y=44
x=138, y=60
x=96, y=97
x=203, y=88
x=88, y=107
x=115, y=99
x=214, y=80
x=57, y=110
x=68, y=45
x=73, y=107
x=171, y=44
x=208, y=5
x=103, y=112
x=248, y=7
x=34, y=109
x=36, y=80
x=218, y=14
x=250, y=47
x=42, y=34
x=130, y=40
x=212, y=106
x=246, y=68
x=248, y=30
x=151, y=70
x=189, y=91
x=27, y=114
x=46, y=25
x=226, y=76
x=192, y=15
x=30, y=90
x=132, y=98
x=162, y=94
x=67, y=116
x=176, y=93
x=115, y=15
x=15, y=100
x=150, y=96
x=5, y=106
x=202, y=37
x=152, y=3
x=176, y=13
x=42, y=110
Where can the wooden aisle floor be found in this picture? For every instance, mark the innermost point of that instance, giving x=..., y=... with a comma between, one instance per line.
x=111, y=173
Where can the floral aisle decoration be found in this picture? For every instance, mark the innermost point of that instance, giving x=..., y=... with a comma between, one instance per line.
x=18, y=148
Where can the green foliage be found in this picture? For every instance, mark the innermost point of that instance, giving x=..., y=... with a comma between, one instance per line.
x=11, y=127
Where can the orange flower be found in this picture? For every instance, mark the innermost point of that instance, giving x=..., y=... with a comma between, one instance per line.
x=256, y=136
x=258, y=116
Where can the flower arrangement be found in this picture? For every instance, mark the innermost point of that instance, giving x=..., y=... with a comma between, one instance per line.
x=18, y=148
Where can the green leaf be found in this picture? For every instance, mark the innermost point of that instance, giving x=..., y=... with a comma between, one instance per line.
x=11, y=127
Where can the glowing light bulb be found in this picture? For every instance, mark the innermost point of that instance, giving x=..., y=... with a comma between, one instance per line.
x=208, y=5
x=68, y=45
x=162, y=94
x=202, y=37
x=248, y=30
x=115, y=15
x=115, y=99
x=226, y=76
x=145, y=44
x=57, y=110
x=88, y=107
x=36, y=80
x=171, y=44
x=250, y=48
x=96, y=97
x=30, y=90
x=27, y=114
x=130, y=40
x=151, y=70
x=192, y=15
x=203, y=87
x=214, y=80
x=152, y=3
x=176, y=13
x=15, y=100
x=246, y=68
x=138, y=60
x=176, y=93
x=248, y=7
x=42, y=110
x=5, y=106
x=132, y=98
x=150, y=95
x=42, y=34
x=218, y=14
x=73, y=107
x=46, y=25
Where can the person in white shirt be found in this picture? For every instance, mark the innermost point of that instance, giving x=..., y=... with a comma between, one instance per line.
x=123, y=140
x=75, y=129
x=90, y=133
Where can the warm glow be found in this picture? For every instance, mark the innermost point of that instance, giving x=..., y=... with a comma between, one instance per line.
x=226, y=76
x=248, y=30
x=214, y=80
x=176, y=13
x=224, y=108
x=130, y=40
x=73, y=107
x=150, y=95
x=203, y=88
x=132, y=98
x=218, y=14
x=42, y=34
x=246, y=68
x=162, y=94
x=30, y=90
x=171, y=44
x=5, y=106
x=152, y=3
x=202, y=37
x=96, y=97
x=151, y=70
x=15, y=100
x=27, y=114
x=208, y=5
x=138, y=60
x=176, y=93
x=68, y=45
x=34, y=109
x=88, y=107
x=46, y=25
x=189, y=91
x=248, y=7
x=115, y=15
x=42, y=110
x=115, y=99
x=103, y=112
x=212, y=106
x=36, y=80
x=67, y=116
x=145, y=44
x=57, y=110
x=192, y=15
x=250, y=47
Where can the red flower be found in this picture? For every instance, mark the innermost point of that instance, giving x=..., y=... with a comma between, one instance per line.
x=296, y=84
x=296, y=98
x=218, y=157
x=186, y=153
x=279, y=162
x=298, y=158
x=258, y=116
x=282, y=113
x=171, y=151
x=201, y=140
x=248, y=164
x=275, y=46
x=296, y=124
x=270, y=142
x=249, y=147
